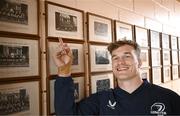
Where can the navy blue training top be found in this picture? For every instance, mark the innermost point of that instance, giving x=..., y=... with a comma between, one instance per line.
x=148, y=99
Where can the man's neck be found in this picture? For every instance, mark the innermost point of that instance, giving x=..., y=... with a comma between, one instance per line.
x=130, y=85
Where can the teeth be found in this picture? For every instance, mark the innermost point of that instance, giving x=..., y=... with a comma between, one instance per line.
x=120, y=69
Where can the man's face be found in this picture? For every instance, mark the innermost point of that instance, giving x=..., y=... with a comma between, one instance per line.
x=125, y=63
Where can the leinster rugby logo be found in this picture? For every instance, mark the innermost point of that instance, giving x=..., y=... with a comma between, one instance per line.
x=158, y=108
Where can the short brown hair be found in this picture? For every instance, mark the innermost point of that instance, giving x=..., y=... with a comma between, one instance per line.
x=114, y=45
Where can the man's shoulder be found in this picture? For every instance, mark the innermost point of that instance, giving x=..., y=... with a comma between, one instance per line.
x=162, y=90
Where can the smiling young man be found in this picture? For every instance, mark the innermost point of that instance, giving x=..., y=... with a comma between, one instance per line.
x=132, y=96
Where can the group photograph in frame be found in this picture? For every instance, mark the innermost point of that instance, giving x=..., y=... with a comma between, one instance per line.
x=19, y=57
x=141, y=35
x=155, y=39
x=100, y=82
x=123, y=31
x=19, y=16
x=63, y=21
x=79, y=92
x=100, y=58
x=77, y=61
x=20, y=98
x=99, y=28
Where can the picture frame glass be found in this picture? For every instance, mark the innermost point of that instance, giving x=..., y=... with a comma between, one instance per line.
x=64, y=22
x=165, y=41
x=20, y=16
x=141, y=36
x=100, y=58
x=166, y=74
x=101, y=82
x=155, y=39
x=123, y=31
x=166, y=57
x=144, y=57
x=155, y=55
x=156, y=75
x=100, y=29
x=24, y=95
x=20, y=57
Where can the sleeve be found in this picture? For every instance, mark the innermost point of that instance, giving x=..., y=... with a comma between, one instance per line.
x=64, y=101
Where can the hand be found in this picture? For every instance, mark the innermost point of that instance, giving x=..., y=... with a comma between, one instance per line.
x=63, y=59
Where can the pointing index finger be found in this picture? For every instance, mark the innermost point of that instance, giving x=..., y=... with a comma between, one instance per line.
x=60, y=41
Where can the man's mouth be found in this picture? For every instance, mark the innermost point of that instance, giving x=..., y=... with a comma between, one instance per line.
x=122, y=68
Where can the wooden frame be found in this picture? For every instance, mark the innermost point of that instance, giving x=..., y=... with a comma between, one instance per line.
x=141, y=36
x=78, y=56
x=20, y=57
x=63, y=21
x=101, y=82
x=79, y=93
x=99, y=28
x=123, y=30
x=154, y=39
x=20, y=94
x=25, y=22
x=100, y=58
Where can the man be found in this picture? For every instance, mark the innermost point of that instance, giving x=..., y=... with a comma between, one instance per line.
x=132, y=96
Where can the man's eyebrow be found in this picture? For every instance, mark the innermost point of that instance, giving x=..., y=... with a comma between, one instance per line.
x=126, y=53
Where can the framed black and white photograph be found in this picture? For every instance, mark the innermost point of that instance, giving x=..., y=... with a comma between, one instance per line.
x=155, y=39
x=144, y=73
x=174, y=57
x=175, y=72
x=78, y=57
x=166, y=73
x=165, y=41
x=156, y=58
x=100, y=58
x=141, y=35
x=166, y=57
x=174, y=42
x=156, y=75
x=123, y=31
x=21, y=98
x=79, y=92
x=19, y=57
x=63, y=21
x=144, y=57
x=19, y=16
x=101, y=82
x=99, y=28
